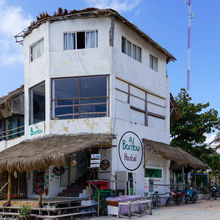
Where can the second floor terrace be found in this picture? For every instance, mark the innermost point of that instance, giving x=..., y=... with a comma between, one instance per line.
x=12, y=115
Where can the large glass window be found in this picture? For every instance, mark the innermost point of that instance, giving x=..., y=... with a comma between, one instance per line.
x=37, y=103
x=80, y=40
x=80, y=97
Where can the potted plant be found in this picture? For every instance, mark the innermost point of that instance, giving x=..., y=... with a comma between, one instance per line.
x=25, y=212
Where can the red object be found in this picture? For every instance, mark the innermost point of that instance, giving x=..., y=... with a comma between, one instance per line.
x=101, y=184
x=46, y=191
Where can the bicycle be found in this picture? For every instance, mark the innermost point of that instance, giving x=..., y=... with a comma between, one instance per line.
x=156, y=200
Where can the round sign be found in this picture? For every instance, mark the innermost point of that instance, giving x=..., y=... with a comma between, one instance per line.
x=130, y=150
x=58, y=171
x=105, y=164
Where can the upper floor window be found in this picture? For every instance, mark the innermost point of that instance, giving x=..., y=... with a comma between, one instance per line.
x=37, y=103
x=80, y=40
x=80, y=97
x=36, y=50
x=131, y=49
x=153, y=62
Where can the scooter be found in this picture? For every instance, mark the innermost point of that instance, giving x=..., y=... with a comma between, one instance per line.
x=191, y=195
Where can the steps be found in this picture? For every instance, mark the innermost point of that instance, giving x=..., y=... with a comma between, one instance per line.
x=57, y=209
x=75, y=191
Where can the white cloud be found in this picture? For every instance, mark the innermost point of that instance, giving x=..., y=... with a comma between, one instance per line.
x=118, y=5
x=13, y=20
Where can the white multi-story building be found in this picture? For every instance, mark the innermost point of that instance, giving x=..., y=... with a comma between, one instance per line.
x=92, y=72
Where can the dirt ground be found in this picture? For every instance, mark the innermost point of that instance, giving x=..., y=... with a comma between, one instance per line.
x=202, y=209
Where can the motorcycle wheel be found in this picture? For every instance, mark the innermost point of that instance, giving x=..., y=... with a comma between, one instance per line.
x=209, y=196
x=186, y=200
x=178, y=201
x=168, y=201
x=194, y=199
x=215, y=196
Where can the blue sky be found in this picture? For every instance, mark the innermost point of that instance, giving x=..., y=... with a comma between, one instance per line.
x=163, y=20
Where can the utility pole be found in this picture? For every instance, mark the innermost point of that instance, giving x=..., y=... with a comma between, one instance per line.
x=190, y=16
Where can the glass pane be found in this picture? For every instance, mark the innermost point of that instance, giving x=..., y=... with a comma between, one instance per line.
x=37, y=103
x=96, y=38
x=65, y=41
x=151, y=62
x=129, y=48
x=134, y=51
x=96, y=106
x=66, y=88
x=93, y=86
x=123, y=45
x=139, y=54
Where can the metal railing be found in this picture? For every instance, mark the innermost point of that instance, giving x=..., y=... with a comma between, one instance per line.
x=12, y=133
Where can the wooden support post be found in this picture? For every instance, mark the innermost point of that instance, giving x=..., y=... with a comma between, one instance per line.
x=9, y=188
x=40, y=201
x=98, y=202
x=89, y=191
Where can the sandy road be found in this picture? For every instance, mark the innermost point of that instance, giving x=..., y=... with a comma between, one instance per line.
x=202, y=209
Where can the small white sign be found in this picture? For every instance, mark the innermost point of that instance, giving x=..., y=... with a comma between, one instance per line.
x=94, y=165
x=95, y=156
x=94, y=161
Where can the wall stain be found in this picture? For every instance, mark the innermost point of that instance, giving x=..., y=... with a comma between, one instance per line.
x=91, y=124
x=66, y=129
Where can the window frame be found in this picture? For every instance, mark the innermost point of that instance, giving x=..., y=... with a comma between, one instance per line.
x=52, y=115
x=151, y=61
x=154, y=168
x=78, y=31
x=29, y=102
x=32, y=46
x=133, y=50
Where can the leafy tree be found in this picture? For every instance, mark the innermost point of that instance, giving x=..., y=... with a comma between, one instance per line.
x=189, y=132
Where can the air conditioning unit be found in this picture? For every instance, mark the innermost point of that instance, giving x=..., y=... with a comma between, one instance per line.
x=126, y=182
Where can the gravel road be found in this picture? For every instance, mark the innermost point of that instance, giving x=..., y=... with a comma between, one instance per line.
x=202, y=209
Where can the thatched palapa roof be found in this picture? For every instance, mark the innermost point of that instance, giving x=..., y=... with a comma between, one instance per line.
x=12, y=103
x=175, y=154
x=52, y=150
x=11, y=95
x=63, y=14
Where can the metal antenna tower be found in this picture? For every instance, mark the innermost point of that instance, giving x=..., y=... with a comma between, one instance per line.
x=190, y=16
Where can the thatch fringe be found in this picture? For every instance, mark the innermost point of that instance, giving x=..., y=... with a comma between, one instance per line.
x=11, y=95
x=91, y=12
x=174, y=153
x=52, y=150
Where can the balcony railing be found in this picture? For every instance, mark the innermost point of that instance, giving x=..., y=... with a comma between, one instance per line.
x=12, y=133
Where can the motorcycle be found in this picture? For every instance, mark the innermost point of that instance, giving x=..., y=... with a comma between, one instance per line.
x=213, y=193
x=191, y=195
x=176, y=197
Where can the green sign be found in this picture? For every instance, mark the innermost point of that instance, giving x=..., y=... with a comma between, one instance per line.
x=36, y=130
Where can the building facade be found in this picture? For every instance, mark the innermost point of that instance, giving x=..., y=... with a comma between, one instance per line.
x=93, y=72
